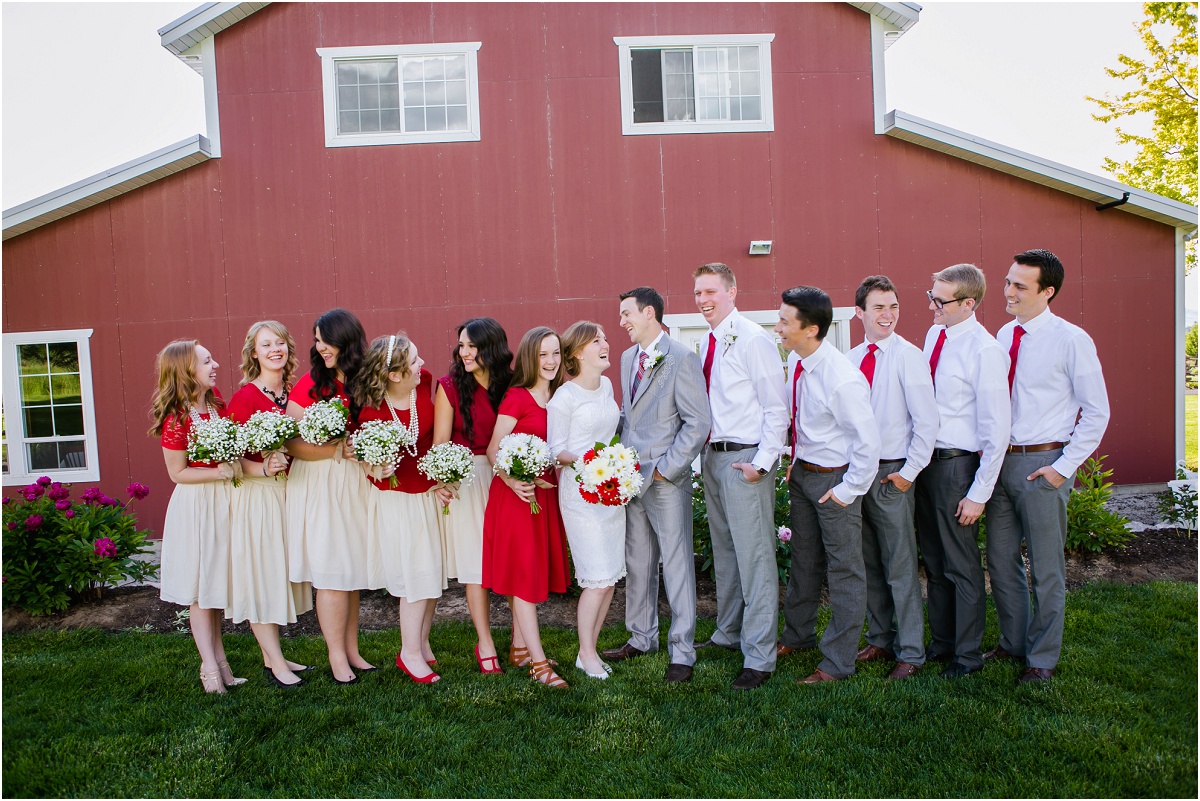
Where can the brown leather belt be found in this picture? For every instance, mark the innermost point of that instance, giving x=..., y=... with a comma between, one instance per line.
x=816, y=468
x=1045, y=446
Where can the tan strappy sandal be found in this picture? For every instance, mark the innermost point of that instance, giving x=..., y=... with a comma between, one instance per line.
x=234, y=681
x=211, y=682
x=544, y=674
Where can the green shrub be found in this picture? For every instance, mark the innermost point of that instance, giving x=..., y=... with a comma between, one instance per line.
x=702, y=538
x=1177, y=505
x=56, y=549
x=1090, y=526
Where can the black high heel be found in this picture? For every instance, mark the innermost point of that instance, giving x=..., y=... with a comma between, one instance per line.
x=274, y=682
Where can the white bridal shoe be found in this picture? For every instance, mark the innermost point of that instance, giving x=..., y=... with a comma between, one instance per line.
x=602, y=675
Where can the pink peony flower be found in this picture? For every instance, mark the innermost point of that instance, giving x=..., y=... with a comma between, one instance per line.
x=69, y=514
x=12, y=526
x=91, y=494
x=137, y=491
x=105, y=547
x=33, y=521
x=57, y=492
x=44, y=481
x=62, y=506
x=785, y=534
x=7, y=500
x=32, y=492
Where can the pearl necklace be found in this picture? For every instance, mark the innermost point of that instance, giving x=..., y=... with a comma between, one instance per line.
x=195, y=415
x=414, y=428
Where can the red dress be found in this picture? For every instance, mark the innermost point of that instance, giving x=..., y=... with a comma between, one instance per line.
x=524, y=554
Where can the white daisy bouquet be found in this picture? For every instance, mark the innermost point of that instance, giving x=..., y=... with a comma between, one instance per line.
x=217, y=439
x=380, y=444
x=524, y=457
x=609, y=475
x=448, y=463
x=324, y=421
x=266, y=432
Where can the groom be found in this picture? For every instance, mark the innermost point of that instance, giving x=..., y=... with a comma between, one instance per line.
x=666, y=419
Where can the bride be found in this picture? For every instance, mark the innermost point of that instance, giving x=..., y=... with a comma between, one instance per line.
x=581, y=414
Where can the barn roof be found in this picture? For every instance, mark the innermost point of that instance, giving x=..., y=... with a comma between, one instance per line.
x=184, y=36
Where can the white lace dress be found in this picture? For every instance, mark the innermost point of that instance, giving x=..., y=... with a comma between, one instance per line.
x=576, y=420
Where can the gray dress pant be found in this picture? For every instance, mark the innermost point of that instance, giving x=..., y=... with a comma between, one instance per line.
x=742, y=524
x=895, y=615
x=953, y=567
x=659, y=523
x=835, y=531
x=1034, y=512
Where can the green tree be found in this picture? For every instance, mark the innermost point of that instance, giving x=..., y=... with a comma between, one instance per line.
x=1189, y=342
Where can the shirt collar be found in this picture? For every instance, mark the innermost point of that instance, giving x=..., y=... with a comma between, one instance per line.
x=1038, y=323
x=817, y=356
x=653, y=345
x=727, y=324
x=882, y=344
x=962, y=328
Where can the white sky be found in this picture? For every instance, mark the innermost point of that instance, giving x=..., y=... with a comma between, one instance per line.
x=1015, y=73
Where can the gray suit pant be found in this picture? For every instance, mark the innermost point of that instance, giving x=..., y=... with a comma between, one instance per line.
x=895, y=614
x=659, y=523
x=953, y=568
x=741, y=522
x=1036, y=512
x=835, y=531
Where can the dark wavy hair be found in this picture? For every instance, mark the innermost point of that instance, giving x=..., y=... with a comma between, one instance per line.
x=342, y=330
x=493, y=354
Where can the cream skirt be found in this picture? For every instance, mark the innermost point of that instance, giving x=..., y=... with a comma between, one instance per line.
x=462, y=529
x=406, y=544
x=326, y=514
x=260, y=587
x=195, y=549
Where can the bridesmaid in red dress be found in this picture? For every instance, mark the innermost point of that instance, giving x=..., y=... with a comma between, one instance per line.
x=195, y=550
x=525, y=555
x=403, y=536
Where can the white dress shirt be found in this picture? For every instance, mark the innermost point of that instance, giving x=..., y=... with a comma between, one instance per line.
x=637, y=356
x=834, y=421
x=902, y=399
x=746, y=389
x=971, y=387
x=1058, y=378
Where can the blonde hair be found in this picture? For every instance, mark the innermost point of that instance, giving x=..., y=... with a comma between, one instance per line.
x=385, y=355
x=719, y=269
x=251, y=369
x=177, y=386
x=968, y=280
x=525, y=367
x=574, y=340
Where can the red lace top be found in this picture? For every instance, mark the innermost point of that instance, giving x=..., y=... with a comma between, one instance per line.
x=175, y=432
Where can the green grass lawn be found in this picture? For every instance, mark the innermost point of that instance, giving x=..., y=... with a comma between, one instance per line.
x=100, y=715
x=1189, y=415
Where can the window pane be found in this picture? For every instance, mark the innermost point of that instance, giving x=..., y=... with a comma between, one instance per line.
x=389, y=120
x=64, y=357
x=708, y=60
x=368, y=97
x=677, y=61
x=413, y=70
x=710, y=109
x=66, y=389
x=347, y=75
x=456, y=92
x=347, y=98
x=707, y=86
x=435, y=68
x=735, y=108
x=35, y=390
x=39, y=422
x=43, y=456
x=368, y=72
x=647, y=74
x=414, y=120
x=435, y=93
x=751, y=108
x=68, y=421
x=348, y=122
x=33, y=359
x=368, y=121
x=456, y=118
x=456, y=66
x=680, y=110
x=414, y=94
x=732, y=84
x=387, y=72
x=389, y=95
x=72, y=455
x=750, y=84
x=435, y=118
x=748, y=58
x=674, y=86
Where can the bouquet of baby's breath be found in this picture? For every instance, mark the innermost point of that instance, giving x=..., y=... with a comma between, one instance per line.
x=217, y=439
x=323, y=421
x=448, y=463
x=524, y=457
x=379, y=444
x=266, y=432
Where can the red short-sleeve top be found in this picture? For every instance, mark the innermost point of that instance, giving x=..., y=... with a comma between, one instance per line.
x=531, y=418
x=483, y=417
x=244, y=403
x=302, y=395
x=175, y=432
x=409, y=478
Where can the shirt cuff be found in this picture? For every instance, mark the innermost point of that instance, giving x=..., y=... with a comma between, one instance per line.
x=845, y=493
x=762, y=462
x=908, y=473
x=979, y=494
x=1064, y=468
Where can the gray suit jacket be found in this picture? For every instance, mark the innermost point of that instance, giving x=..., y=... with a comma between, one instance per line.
x=668, y=420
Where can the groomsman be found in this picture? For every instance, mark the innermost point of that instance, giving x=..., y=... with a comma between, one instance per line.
x=665, y=418
x=969, y=378
x=834, y=462
x=906, y=413
x=1055, y=379
x=745, y=381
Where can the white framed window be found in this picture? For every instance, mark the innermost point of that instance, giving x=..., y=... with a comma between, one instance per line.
x=49, y=415
x=400, y=94
x=695, y=84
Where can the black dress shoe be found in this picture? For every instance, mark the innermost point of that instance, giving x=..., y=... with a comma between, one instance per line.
x=955, y=670
x=274, y=682
x=678, y=673
x=710, y=644
x=354, y=680
x=999, y=653
x=750, y=678
x=932, y=657
x=626, y=651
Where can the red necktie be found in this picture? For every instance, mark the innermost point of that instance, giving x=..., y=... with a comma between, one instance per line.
x=868, y=364
x=708, y=360
x=1018, y=332
x=641, y=371
x=937, y=354
x=795, y=406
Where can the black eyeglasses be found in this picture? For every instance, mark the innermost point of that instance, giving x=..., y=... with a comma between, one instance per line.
x=938, y=302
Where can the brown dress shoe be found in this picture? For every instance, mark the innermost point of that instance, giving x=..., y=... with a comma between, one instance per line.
x=784, y=650
x=817, y=677
x=750, y=678
x=872, y=653
x=677, y=673
x=1033, y=675
x=903, y=670
x=999, y=653
x=626, y=651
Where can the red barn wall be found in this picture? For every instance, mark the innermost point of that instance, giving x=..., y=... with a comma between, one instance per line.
x=554, y=212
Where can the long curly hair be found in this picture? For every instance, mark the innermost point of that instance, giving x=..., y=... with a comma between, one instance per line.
x=525, y=370
x=177, y=388
x=574, y=340
x=371, y=384
x=493, y=355
x=251, y=369
x=342, y=330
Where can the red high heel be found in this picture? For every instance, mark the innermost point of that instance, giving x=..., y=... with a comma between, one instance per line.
x=495, y=660
x=429, y=679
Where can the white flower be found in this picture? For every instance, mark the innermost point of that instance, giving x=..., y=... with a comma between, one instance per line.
x=379, y=442
x=217, y=439
x=613, y=462
x=728, y=340
x=653, y=358
x=448, y=463
x=266, y=432
x=324, y=421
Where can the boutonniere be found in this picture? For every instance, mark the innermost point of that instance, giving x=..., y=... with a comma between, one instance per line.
x=728, y=339
x=653, y=358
